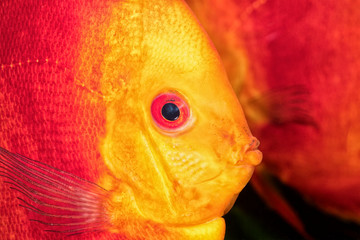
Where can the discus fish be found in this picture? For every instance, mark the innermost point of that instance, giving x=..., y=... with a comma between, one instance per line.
x=294, y=67
x=117, y=121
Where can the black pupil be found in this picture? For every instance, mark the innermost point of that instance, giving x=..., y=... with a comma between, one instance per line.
x=170, y=112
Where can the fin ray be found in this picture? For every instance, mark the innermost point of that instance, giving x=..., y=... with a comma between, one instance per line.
x=62, y=202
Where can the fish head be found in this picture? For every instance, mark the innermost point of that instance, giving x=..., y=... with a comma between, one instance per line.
x=176, y=134
x=174, y=140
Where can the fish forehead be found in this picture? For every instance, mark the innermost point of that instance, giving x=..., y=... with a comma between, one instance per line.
x=181, y=41
x=162, y=37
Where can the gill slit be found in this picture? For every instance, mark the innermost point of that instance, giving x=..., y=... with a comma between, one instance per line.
x=165, y=178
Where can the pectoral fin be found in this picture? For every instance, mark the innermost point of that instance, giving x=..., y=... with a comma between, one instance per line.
x=58, y=200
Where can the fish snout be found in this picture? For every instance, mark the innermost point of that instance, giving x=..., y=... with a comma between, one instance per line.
x=250, y=153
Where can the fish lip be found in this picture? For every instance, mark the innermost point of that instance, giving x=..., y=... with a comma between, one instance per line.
x=253, y=157
x=251, y=154
x=253, y=145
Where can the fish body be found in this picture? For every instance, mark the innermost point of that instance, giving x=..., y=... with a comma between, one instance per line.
x=294, y=67
x=81, y=88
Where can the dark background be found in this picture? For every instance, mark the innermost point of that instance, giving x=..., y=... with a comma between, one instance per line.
x=250, y=218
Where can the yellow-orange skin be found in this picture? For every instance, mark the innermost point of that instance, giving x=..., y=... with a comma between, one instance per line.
x=161, y=185
x=184, y=178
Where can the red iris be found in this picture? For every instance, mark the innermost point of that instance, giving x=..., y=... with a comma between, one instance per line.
x=170, y=111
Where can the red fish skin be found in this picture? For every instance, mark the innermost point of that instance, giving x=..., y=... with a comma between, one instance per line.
x=42, y=114
x=314, y=45
x=45, y=114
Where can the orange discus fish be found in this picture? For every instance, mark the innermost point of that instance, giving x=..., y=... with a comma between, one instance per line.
x=117, y=121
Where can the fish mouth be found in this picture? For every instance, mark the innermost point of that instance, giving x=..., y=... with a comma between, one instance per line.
x=251, y=155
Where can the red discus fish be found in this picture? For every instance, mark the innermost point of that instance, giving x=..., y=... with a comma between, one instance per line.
x=117, y=121
x=294, y=65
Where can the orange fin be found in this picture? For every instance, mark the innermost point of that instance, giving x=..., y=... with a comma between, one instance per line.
x=265, y=187
x=59, y=200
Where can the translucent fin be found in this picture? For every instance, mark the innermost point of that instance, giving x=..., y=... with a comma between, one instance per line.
x=268, y=191
x=286, y=105
x=59, y=200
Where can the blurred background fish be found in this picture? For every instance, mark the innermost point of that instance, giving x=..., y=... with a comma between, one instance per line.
x=294, y=66
x=117, y=121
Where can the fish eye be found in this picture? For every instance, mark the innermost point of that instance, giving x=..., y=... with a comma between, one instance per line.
x=170, y=111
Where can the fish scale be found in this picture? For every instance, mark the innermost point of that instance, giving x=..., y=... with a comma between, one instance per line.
x=78, y=79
